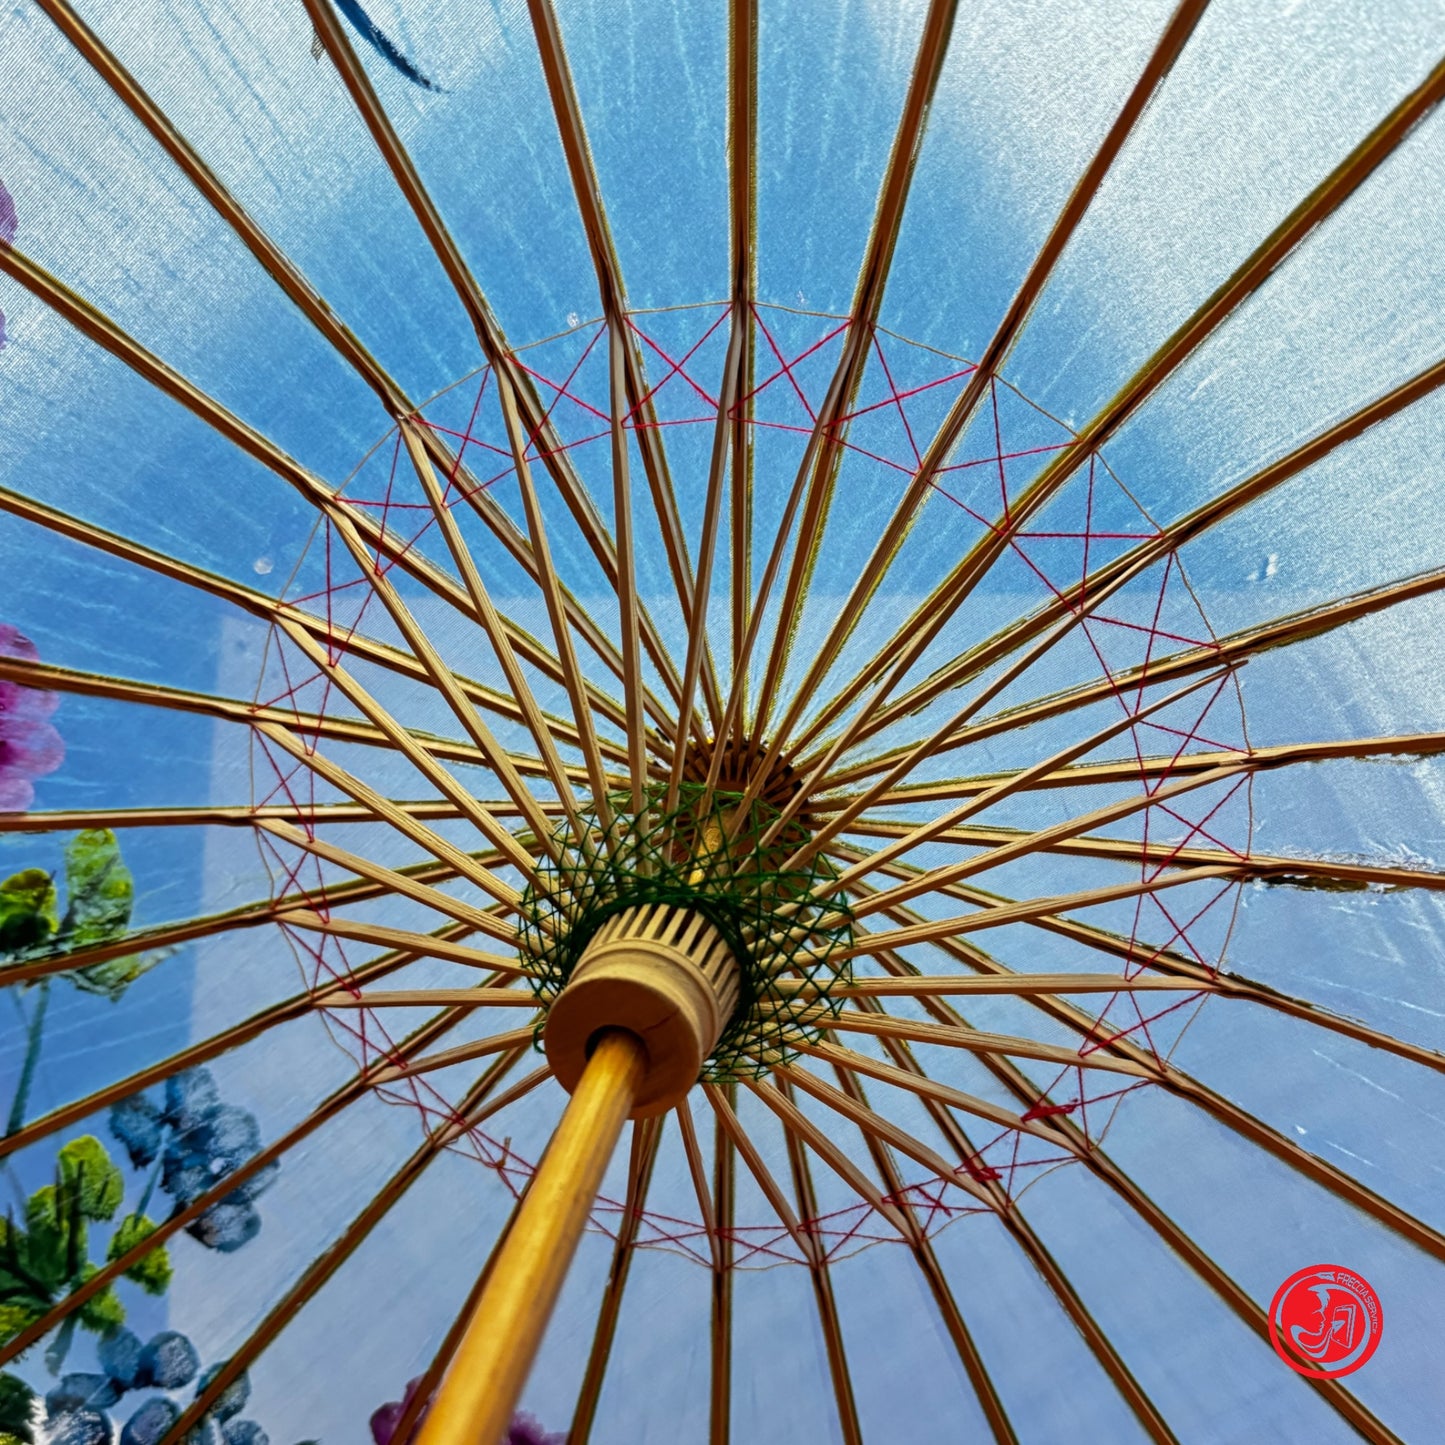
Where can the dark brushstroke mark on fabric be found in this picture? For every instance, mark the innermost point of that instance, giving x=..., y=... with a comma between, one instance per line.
x=8, y=222
x=375, y=37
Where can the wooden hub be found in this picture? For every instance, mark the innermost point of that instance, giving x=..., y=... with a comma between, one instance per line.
x=663, y=974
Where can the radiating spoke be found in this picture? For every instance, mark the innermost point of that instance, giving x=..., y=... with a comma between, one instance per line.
x=270, y=610
x=1161, y=61
x=1070, y=602
x=646, y=1137
x=513, y=384
x=1231, y=650
x=796, y=1128
x=297, y=1006
x=630, y=394
x=247, y=915
x=440, y=848
x=721, y=1317
x=900, y=652
x=394, y=881
x=468, y=1113
x=819, y=470
x=1133, y=771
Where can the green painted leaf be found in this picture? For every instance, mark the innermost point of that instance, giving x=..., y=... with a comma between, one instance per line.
x=100, y=891
x=103, y=1311
x=17, y=1400
x=115, y=975
x=54, y=1245
x=27, y=910
x=153, y=1271
x=86, y=1167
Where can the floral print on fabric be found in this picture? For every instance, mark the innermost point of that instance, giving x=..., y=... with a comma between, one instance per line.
x=29, y=746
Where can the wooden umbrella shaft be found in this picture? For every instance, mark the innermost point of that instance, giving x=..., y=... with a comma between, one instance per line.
x=475, y=1402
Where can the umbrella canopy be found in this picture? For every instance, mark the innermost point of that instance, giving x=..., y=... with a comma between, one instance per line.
x=846, y=595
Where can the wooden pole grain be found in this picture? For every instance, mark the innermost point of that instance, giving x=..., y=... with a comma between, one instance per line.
x=490, y=1367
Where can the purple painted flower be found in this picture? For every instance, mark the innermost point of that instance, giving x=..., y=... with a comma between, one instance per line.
x=8, y=222
x=524, y=1429
x=29, y=746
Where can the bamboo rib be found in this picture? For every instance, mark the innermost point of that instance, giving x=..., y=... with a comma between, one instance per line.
x=512, y=381
x=646, y=1137
x=931, y=930
x=479, y=1391
x=394, y=881
x=468, y=1114
x=297, y=1006
x=355, y=1088
x=978, y=1041
x=627, y=600
x=446, y=685
x=440, y=848
x=1133, y=770
x=238, y=815
x=270, y=610
x=923, y=1086
x=1171, y=42
x=50, y=677
x=1271, y=867
x=107, y=334
x=909, y=642
x=799, y=1130
x=1073, y=599
x=723, y=435
x=1074, y=1141
x=1004, y=788
x=297, y=288
x=1191, y=975
x=1423, y=1235
x=721, y=1319
x=877, y=1127
x=819, y=1272
x=742, y=217
x=465, y=998
x=698, y=1170
x=425, y=945
x=630, y=394
x=1022, y=983
x=247, y=915
x=506, y=655
x=1030, y=842
x=923, y=1253
x=1231, y=650
x=825, y=447
x=728, y=1123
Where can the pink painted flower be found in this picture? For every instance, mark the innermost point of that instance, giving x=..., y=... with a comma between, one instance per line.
x=524, y=1429
x=29, y=746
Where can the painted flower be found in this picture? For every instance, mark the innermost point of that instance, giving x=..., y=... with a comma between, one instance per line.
x=524, y=1429
x=29, y=746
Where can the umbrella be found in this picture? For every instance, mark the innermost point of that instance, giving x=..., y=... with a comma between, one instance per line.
x=721, y=722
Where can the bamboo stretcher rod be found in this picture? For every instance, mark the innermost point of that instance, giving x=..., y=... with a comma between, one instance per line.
x=899, y=654
x=470, y=1111
x=1166, y=52
x=1020, y=983
x=1110, y=576
x=1131, y=771
x=515, y=393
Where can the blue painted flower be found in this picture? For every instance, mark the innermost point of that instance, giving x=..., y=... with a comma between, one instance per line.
x=199, y=1140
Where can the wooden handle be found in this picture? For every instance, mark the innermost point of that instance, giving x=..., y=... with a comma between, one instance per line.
x=480, y=1391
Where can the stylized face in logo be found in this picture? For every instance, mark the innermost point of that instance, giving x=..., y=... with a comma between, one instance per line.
x=1325, y=1321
